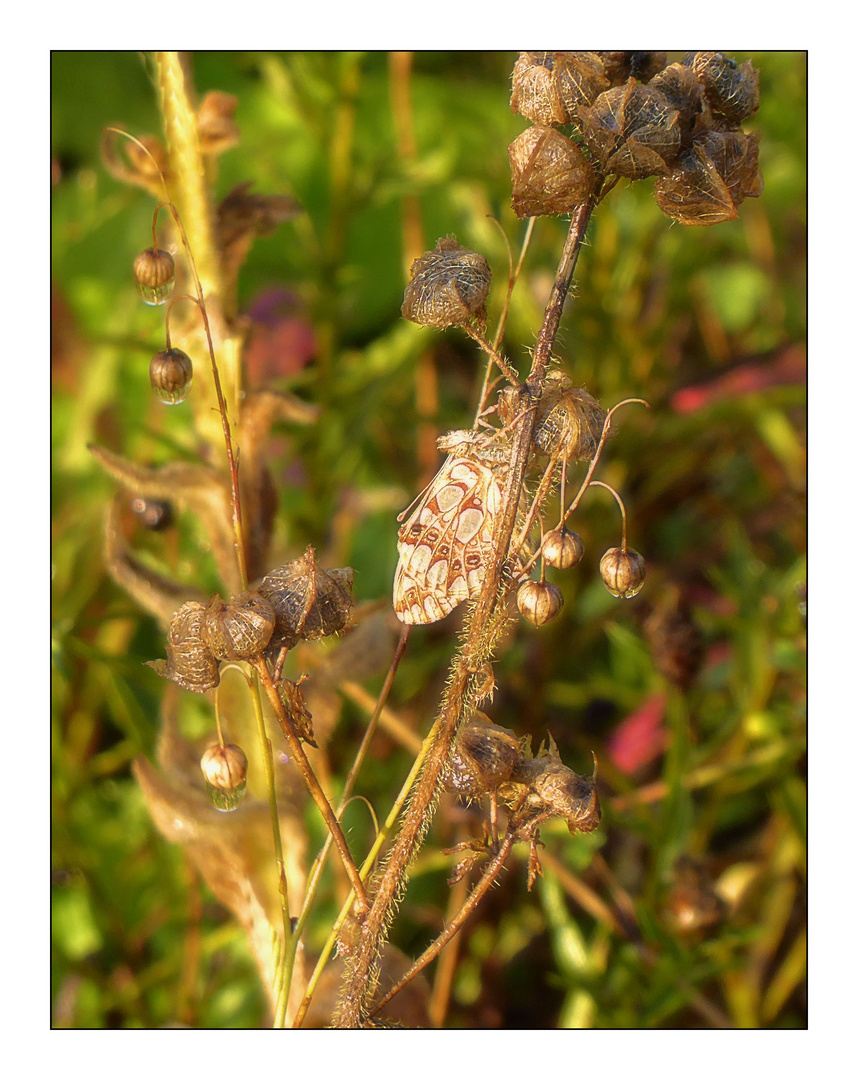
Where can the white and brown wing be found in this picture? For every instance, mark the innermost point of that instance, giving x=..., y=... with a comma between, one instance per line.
x=444, y=545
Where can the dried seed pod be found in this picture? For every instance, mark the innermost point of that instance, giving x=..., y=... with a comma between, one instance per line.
x=732, y=90
x=239, y=628
x=712, y=178
x=547, y=87
x=684, y=93
x=623, y=571
x=632, y=130
x=562, y=549
x=171, y=374
x=620, y=66
x=449, y=287
x=539, y=602
x=225, y=772
x=569, y=421
x=155, y=275
x=190, y=662
x=550, y=174
x=293, y=699
x=483, y=758
x=544, y=785
x=308, y=602
x=216, y=125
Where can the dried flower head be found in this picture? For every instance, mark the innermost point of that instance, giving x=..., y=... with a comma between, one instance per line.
x=548, y=87
x=620, y=66
x=239, y=628
x=190, y=662
x=308, y=602
x=683, y=92
x=449, y=287
x=717, y=173
x=550, y=174
x=632, y=130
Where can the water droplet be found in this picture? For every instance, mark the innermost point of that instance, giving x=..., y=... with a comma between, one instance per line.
x=155, y=295
x=175, y=396
x=226, y=799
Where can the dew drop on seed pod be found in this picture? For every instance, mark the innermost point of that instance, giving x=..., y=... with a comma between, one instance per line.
x=155, y=295
x=225, y=799
x=172, y=397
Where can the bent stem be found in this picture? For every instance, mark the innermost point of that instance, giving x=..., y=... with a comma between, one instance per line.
x=486, y=627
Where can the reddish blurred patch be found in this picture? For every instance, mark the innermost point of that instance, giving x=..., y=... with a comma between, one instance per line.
x=281, y=341
x=641, y=737
x=787, y=367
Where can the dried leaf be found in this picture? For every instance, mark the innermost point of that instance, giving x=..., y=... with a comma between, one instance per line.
x=216, y=124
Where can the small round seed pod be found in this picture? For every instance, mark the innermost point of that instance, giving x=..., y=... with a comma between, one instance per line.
x=562, y=549
x=623, y=572
x=449, y=287
x=308, y=602
x=190, y=662
x=568, y=420
x=712, y=178
x=550, y=174
x=155, y=275
x=620, y=66
x=171, y=374
x=539, y=601
x=239, y=628
x=225, y=772
x=632, y=130
x=732, y=90
x=684, y=93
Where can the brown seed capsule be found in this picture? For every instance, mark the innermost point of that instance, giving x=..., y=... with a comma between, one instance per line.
x=562, y=549
x=155, y=275
x=623, y=572
x=620, y=66
x=543, y=784
x=239, y=628
x=684, y=93
x=550, y=174
x=308, y=602
x=712, y=178
x=483, y=758
x=632, y=130
x=225, y=772
x=539, y=601
x=732, y=90
x=190, y=662
x=171, y=374
x=449, y=287
x=569, y=421
x=547, y=87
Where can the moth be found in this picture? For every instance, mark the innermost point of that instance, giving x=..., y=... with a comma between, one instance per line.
x=445, y=543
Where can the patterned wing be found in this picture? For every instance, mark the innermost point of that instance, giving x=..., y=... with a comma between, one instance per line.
x=444, y=545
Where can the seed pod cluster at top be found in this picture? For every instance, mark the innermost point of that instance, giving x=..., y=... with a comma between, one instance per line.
x=449, y=287
x=636, y=116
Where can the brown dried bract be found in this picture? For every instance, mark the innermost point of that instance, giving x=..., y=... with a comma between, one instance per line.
x=293, y=699
x=712, y=178
x=543, y=786
x=216, y=125
x=632, y=130
x=550, y=174
x=733, y=90
x=449, y=287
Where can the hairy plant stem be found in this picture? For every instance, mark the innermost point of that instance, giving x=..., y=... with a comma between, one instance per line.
x=485, y=626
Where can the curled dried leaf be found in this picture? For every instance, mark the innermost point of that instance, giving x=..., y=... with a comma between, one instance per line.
x=449, y=287
x=550, y=174
x=293, y=700
x=632, y=130
x=717, y=173
x=216, y=124
x=548, y=87
x=242, y=216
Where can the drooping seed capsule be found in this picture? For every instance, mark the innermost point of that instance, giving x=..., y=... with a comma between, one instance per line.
x=155, y=275
x=562, y=549
x=225, y=772
x=239, y=628
x=623, y=572
x=171, y=374
x=539, y=601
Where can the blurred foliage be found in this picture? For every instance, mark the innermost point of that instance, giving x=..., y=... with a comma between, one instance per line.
x=702, y=777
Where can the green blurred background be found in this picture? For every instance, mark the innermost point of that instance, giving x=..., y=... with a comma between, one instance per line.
x=692, y=694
